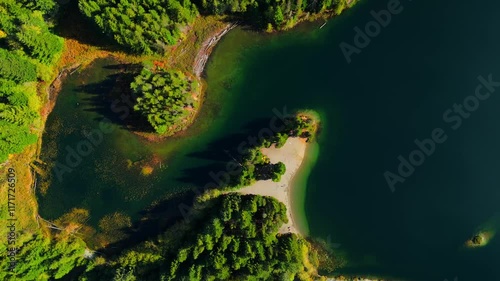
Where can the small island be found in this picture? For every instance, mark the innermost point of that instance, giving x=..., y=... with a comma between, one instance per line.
x=479, y=239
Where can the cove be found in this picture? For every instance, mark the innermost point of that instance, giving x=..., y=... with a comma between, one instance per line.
x=372, y=110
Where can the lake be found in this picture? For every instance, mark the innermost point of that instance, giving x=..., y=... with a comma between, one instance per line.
x=411, y=79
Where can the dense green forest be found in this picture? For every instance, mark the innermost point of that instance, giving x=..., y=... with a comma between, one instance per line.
x=28, y=50
x=45, y=6
x=143, y=26
x=149, y=26
x=164, y=97
x=41, y=258
x=235, y=238
x=278, y=14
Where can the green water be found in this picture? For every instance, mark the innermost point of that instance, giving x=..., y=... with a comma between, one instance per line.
x=395, y=91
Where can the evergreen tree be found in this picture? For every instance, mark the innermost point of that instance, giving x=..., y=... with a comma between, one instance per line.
x=143, y=26
x=164, y=98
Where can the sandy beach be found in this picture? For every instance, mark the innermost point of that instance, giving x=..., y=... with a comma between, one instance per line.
x=292, y=155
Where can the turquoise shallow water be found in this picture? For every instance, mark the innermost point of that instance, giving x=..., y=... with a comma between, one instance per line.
x=395, y=91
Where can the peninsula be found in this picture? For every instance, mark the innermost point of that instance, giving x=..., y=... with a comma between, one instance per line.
x=291, y=154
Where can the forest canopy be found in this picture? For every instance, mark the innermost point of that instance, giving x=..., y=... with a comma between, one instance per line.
x=41, y=258
x=234, y=239
x=277, y=14
x=45, y=6
x=237, y=236
x=146, y=26
x=27, y=50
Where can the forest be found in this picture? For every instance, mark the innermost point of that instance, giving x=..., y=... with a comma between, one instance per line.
x=143, y=26
x=28, y=50
x=230, y=237
x=235, y=238
x=149, y=26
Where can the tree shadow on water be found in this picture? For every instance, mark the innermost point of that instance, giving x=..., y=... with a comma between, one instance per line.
x=228, y=146
x=112, y=98
x=221, y=152
x=153, y=221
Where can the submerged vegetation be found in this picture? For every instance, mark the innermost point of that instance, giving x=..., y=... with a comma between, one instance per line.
x=225, y=237
x=29, y=51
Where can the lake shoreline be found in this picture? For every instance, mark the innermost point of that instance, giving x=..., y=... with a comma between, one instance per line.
x=206, y=49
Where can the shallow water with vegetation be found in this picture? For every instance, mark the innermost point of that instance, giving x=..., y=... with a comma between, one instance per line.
x=395, y=91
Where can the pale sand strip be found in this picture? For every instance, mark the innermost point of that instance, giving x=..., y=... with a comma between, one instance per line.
x=292, y=155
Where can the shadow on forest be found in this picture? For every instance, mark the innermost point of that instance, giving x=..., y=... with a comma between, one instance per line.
x=72, y=24
x=113, y=99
